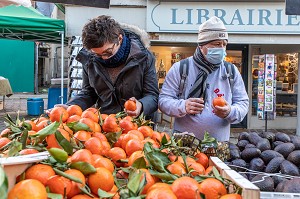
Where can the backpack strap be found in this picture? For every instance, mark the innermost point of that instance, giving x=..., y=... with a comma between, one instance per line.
x=184, y=71
x=230, y=73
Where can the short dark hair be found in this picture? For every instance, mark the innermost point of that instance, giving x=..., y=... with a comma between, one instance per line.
x=99, y=31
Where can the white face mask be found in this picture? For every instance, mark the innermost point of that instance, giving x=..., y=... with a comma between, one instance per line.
x=215, y=55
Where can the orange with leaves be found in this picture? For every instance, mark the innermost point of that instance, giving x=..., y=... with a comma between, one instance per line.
x=94, y=145
x=40, y=172
x=75, y=185
x=28, y=189
x=150, y=180
x=110, y=125
x=5, y=132
x=57, y=113
x=91, y=115
x=147, y=131
x=74, y=110
x=102, y=179
x=4, y=141
x=130, y=105
x=154, y=143
x=134, y=156
x=106, y=163
x=82, y=155
x=219, y=101
x=176, y=168
x=51, y=139
x=212, y=188
x=39, y=120
x=197, y=167
x=32, y=124
x=208, y=170
x=186, y=188
x=202, y=159
x=60, y=185
x=89, y=122
x=42, y=124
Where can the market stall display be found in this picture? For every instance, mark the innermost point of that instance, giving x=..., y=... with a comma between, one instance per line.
x=109, y=156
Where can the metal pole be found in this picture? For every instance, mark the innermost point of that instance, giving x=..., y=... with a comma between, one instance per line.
x=36, y=68
x=298, y=100
x=62, y=68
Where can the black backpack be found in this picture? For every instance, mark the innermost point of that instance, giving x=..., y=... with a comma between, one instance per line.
x=184, y=71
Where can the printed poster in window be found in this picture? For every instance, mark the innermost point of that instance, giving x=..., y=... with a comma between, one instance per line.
x=260, y=87
x=269, y=77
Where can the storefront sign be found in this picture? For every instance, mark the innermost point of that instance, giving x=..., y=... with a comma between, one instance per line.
x=238, y=17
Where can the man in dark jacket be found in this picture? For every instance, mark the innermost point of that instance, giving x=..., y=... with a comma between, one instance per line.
x=117, y=66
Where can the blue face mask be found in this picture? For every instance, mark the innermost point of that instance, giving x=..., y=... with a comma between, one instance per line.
x=215, y=55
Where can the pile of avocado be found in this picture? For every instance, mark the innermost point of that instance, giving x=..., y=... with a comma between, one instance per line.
x=269, y=160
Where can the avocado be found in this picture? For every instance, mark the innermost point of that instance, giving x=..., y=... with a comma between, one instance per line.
x=263, y=144
x=282, y=137
x=296, y=141
x=276, y=143
x=233, y=146
x=238, y=165
x=243, y=136
x=292, y=186
x=268, y=155
x=235, y=154
x=269, y=136
x=278, y=179
x=249, y=153
x=242, y=143
x=280, y=186
x=288, y=168
x=274, y=165
x=285, y=149
x=257, y=164
x=254, y=138
x=250, y=146
x=294, y=157
x=263, y=182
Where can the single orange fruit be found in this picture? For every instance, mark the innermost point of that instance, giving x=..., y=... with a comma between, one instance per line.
x=159, y=185
x=156, y=136
x=130, y=105
x=133, y=145
x=208, y=170
x=32, y=124
x=5, y=132
x=106, y=147
x=102, y=179
x=4, y=141
x=91, y=115
x=89, y=122
x=66, y=128
x=83, y=196
x=126, y=125
x=128, y=137
x=73, y=118
x=74, y=110
x=138, y=133
x=161, y=193
x=28, y=189
x=118, y=143
x=150, y=180
x=147, y=131
x=176, y=168
x=116, y=153
x=212, y=188
x=42, y=124
x=134, y=156
x=82, y=155
x=110, y=125
x=40, y=172
x=93, y=109
x=232, y=196
x=186, y=188
x=28, y=151
x=96, y=156
x=51, y=139
x=199, y=169
x=82, y=136
x=94, y=145
x=57, y=113
x=168, y=137
x=219, y=101
x=97, y=127
x=103, y=116
x=154, y=143
x=99, y=135
x=39, y=120
x=75, y=185
x=202, y=159
x=106, y=163
x=58, y=184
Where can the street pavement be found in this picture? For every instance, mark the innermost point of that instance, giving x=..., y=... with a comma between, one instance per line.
x=18, y=102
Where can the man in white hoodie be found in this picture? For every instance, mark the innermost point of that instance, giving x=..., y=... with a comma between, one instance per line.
x=194, y=112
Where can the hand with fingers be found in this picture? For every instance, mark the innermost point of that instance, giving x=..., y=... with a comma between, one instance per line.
x=194, y=105
x=137, y=111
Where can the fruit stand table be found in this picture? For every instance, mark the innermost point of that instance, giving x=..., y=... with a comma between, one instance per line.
x=5, y=89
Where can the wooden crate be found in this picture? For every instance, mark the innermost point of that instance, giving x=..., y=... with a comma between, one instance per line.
x=250, y=191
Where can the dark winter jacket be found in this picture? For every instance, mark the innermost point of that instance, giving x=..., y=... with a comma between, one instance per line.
x=137, y=79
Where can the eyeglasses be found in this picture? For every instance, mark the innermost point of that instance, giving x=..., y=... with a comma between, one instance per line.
x=107, y=53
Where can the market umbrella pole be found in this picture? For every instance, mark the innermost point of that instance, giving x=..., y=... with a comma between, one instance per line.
x=298, y=101
x=36, y=68
x=62, y=68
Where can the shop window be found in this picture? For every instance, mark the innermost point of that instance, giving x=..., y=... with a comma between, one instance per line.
x=286, y=70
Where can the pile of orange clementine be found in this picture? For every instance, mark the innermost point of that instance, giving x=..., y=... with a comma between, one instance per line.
x=117, y=149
